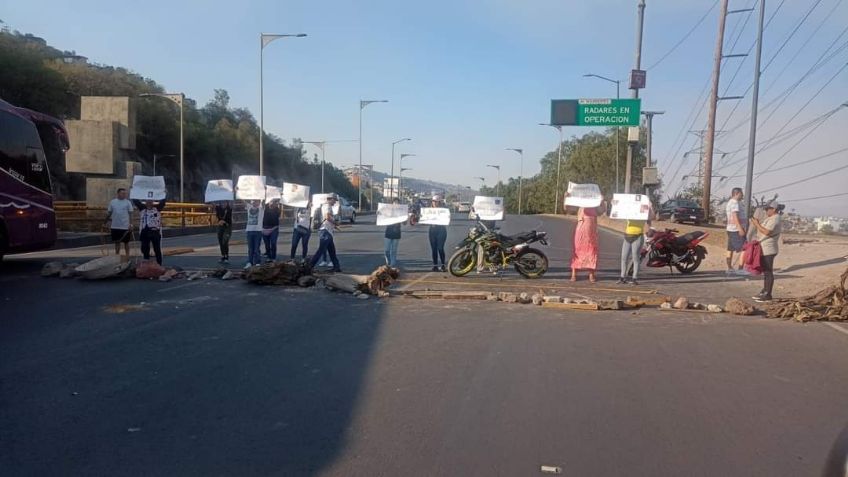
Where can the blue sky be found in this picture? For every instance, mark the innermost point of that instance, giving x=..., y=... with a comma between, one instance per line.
x=467, y=79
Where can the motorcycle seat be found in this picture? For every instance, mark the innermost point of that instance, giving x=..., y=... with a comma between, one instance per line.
x=686, y=238
x=518, y=238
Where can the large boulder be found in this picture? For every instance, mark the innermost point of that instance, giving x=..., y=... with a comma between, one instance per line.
x=735, y=306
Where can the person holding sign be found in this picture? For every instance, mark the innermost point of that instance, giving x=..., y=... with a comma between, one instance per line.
x=325, y=234
x=392, y=240
x=632, y=246
x=584, y=254
x=150, y=227
x=438, y=235
x=224, y=214
x=302, y=230
x=271, y=229
x=253, y=229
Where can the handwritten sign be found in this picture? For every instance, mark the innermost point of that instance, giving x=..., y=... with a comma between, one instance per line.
x=630, y=207
x=295, y=195
x=250, y=188
x=320, y=199
x=219, y=190
x=148, y=188
x=272, y=193
x=583, y=195
x=390, y=214
x=489, y=208
x=435, y=216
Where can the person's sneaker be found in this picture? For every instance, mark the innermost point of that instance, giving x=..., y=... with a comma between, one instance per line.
x=443, y=269
x=757, y=296
x=621, y=281
x=730, y=272
x=634, y=282
x=247, y=266
x=225, y=261
x=762, y=298
x=221, y=260
x=742, y=272
x=435, y=268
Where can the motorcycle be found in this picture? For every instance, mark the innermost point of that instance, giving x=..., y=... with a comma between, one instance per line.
x=667, y=249
x=499, y=252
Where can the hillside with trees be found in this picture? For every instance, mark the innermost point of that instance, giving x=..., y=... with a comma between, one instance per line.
x=221, y=140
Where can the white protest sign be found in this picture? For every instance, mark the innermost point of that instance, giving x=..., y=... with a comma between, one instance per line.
x=630, y=207
x=489, y=208
x=250, y=188
x=148, y=188
x=583, y=195
x=390, y=214
x=218, y=190
x=320, y=199
x=295, y=195
x=435, y=216
x=272, y=193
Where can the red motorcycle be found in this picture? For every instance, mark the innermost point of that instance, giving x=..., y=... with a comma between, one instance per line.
x=667, y=249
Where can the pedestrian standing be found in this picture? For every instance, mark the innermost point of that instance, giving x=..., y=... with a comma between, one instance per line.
x=271, y=229
x=150, y=227
x=302, y=231
x=438, y=235
x=585, y=252
x=737, y=228
x=328, y=227
x=224, y=214
x=253, y=229
x=392, y=240
x=768, y=234
x=632, y=247
x=119, y=213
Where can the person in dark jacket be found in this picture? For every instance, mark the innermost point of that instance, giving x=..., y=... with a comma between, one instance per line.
x=150, y=227
x=438, y=236
x=392, y=240
x=224, y=214
x=271, y=229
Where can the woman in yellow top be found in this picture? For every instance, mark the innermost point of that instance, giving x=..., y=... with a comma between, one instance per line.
x=632, y=245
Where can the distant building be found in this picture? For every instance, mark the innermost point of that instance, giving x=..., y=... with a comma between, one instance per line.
x=837, y=224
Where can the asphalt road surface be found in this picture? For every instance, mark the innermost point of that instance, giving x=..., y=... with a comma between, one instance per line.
x=208, y=377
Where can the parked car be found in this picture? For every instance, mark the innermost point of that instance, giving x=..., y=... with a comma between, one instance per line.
x=681, y=210
x=346, y=210
x=463, y=207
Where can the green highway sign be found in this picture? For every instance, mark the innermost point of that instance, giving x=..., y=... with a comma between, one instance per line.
x=595, y=112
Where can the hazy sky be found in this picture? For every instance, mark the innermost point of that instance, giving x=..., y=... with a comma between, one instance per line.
x=466, y=79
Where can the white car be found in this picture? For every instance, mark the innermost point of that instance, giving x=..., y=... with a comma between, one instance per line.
x=346, y=211
x=463, y=207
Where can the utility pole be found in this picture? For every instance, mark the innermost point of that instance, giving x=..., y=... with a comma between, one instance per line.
x=711, y=118
x=752, y=138
x=649, y=120
x=631, y=147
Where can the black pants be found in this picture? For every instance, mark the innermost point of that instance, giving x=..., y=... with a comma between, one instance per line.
x=438, y=237
x=224, y=233
x=326, y=245
x=767, y=265
x=148, y=237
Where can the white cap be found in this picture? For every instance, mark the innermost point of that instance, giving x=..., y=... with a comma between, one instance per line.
x=437, y=197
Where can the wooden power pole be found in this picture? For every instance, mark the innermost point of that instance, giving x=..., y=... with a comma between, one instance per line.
x=711, y=119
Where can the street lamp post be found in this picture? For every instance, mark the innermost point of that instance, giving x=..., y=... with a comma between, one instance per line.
x=179, y=100
x=499, y=177
x=362, y=104
x=400, y=185
x=520, y=173
x=617, y=96
x=392, y=180
x=264, y=40
x=559, y=165
x=482, y=181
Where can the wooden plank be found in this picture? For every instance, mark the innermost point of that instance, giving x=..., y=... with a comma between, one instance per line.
x=572, y=306
x=647, y=300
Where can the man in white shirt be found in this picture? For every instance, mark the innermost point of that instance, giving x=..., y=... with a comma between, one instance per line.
x=737, y=228
x=325, y=234
x=119, y=212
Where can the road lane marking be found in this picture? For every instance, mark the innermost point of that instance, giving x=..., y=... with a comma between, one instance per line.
x=836, y=327
x=177, y=287
x=519, y=284
x=415, y=282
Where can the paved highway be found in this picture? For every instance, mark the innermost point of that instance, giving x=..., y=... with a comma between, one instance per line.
x=224, y=378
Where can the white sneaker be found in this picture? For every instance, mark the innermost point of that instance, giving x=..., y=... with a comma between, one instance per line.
x=247, y=266
x=743, y=273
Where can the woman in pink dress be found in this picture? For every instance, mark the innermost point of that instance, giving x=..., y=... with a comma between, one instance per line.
x=585, y=256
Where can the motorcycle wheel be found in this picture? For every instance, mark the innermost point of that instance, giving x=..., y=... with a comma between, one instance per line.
x=531, y=263
x=688, y=267
x=462, y=261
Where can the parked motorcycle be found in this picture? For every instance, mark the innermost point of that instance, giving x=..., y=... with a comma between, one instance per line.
x=500, y=252
x=667, y=249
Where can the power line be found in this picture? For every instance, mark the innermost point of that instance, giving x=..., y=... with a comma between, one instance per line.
x=803, y=180
x=816, y=198
x=685, y=37
x=796, y=164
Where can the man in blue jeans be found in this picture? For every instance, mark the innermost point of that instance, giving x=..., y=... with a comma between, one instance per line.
x=325, y=234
